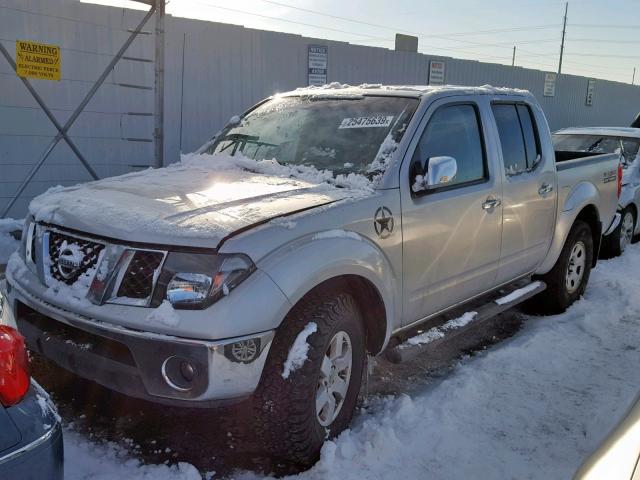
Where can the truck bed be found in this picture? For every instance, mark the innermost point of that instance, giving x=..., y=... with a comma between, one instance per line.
x=564, y=155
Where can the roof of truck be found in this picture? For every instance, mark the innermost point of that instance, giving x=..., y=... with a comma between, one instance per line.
x=344, y=90
x=607, y=131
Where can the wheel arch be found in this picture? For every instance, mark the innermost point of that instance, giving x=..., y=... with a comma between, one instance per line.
x=370, y=304
x=565, y=222
x=341, y=264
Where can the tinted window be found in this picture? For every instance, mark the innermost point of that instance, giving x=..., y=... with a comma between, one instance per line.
x=454, y=132
x=511, y=138
x=529, y=134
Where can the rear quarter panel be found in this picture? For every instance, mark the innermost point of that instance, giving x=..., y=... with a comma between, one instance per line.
x=583, y=182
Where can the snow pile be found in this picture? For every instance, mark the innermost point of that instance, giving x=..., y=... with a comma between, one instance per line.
x=8, y=244
x=419, y=184
x=85, y=460
x=223, y=161
x=298, y=353
x=164, y=314
x=439, y=332
x=384, y=155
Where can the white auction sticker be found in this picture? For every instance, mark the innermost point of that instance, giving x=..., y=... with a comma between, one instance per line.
x=367, y=122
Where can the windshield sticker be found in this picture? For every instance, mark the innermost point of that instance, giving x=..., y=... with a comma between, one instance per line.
x=367, y=122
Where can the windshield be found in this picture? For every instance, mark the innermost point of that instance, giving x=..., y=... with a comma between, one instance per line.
x=597, y=144
x=354, y=134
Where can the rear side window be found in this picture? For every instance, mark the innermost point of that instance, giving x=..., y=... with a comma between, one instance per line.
x=453, y=131
x=518, y=137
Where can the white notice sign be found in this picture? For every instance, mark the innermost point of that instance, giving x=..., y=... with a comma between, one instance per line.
x=590, y=88
x=318, y=62
x=436, y=72
x=550, y=84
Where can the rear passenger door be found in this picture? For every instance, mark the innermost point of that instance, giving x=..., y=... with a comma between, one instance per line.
x=451, y=233
x=528, y=191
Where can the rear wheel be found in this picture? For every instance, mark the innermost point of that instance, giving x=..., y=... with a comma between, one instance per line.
x=617, y=241
x=568, y=278
x=295, y=415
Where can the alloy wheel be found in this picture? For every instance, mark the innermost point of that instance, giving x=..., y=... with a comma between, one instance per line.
x=333, y=382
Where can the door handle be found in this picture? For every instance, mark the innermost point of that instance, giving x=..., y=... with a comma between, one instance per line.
x=491, y=203
x=545, y=188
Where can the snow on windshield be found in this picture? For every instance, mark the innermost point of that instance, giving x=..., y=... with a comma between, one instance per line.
x=337, y=132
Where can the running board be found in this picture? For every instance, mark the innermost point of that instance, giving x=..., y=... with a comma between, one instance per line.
x=457, y=322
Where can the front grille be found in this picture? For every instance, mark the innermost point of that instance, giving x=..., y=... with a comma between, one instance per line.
x=71, y=257
x=139, y=278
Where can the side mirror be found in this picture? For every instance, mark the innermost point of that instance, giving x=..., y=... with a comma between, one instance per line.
x=440, y=171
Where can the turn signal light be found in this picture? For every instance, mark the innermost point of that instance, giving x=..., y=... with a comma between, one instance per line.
x=14, y=371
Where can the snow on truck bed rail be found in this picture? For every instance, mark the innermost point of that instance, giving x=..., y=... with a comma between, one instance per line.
x=531, y=407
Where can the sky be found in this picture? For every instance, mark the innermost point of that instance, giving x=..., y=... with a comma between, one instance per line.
x=600, y=42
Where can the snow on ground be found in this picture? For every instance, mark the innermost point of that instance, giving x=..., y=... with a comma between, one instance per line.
x=532, y=407
x=7, y=243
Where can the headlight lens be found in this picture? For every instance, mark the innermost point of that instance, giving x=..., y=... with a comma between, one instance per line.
x=195, y=281
x=27, y=242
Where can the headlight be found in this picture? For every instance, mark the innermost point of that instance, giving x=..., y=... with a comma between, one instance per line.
x=195, y=280
x=28, y=242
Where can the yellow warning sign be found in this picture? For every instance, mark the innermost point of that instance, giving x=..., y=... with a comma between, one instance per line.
x=37, y=60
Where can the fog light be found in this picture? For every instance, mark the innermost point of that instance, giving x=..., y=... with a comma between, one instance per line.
x=179, y=373
x=244, y=351
x=187, y=371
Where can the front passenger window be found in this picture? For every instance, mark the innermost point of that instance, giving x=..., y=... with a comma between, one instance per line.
x=452, y=131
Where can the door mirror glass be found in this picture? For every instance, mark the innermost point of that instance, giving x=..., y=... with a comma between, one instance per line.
x=440, y=171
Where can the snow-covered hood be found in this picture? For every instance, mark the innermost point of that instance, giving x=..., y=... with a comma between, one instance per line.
x=195, y=203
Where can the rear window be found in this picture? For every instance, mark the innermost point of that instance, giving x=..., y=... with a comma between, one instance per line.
x=597, y=144
x=518, y=137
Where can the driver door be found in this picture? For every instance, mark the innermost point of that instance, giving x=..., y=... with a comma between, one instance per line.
x=451, y=231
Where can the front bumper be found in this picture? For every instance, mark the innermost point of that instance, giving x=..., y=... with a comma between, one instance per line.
x=135, y=362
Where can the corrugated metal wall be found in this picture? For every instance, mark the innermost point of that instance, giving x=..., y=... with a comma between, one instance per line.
x=226, y=69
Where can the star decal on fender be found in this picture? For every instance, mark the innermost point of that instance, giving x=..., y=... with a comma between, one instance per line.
x=383, y=222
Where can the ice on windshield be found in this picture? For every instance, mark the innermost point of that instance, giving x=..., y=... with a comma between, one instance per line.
x=342, y=135
x=627, y=146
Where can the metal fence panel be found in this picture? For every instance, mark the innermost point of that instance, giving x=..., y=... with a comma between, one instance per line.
x=224, y=70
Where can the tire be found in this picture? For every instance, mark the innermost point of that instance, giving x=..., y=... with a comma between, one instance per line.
x=614, y=244
x=288, y=424
x=568, y=278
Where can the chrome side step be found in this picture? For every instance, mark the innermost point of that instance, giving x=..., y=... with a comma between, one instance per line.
x=456, y=322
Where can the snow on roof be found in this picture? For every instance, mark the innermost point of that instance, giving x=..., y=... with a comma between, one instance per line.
x=342, y=89
x=608, y=131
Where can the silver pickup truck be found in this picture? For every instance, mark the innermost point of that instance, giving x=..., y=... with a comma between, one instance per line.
x=320, y=226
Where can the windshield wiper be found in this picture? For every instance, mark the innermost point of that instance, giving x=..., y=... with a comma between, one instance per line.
x=239, y=141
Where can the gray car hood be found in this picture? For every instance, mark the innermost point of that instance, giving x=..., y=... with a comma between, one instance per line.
x=187, y=205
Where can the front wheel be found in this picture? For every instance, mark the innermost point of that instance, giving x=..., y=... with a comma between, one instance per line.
x=567, y=280
x=300, y=404
x=617, y=241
